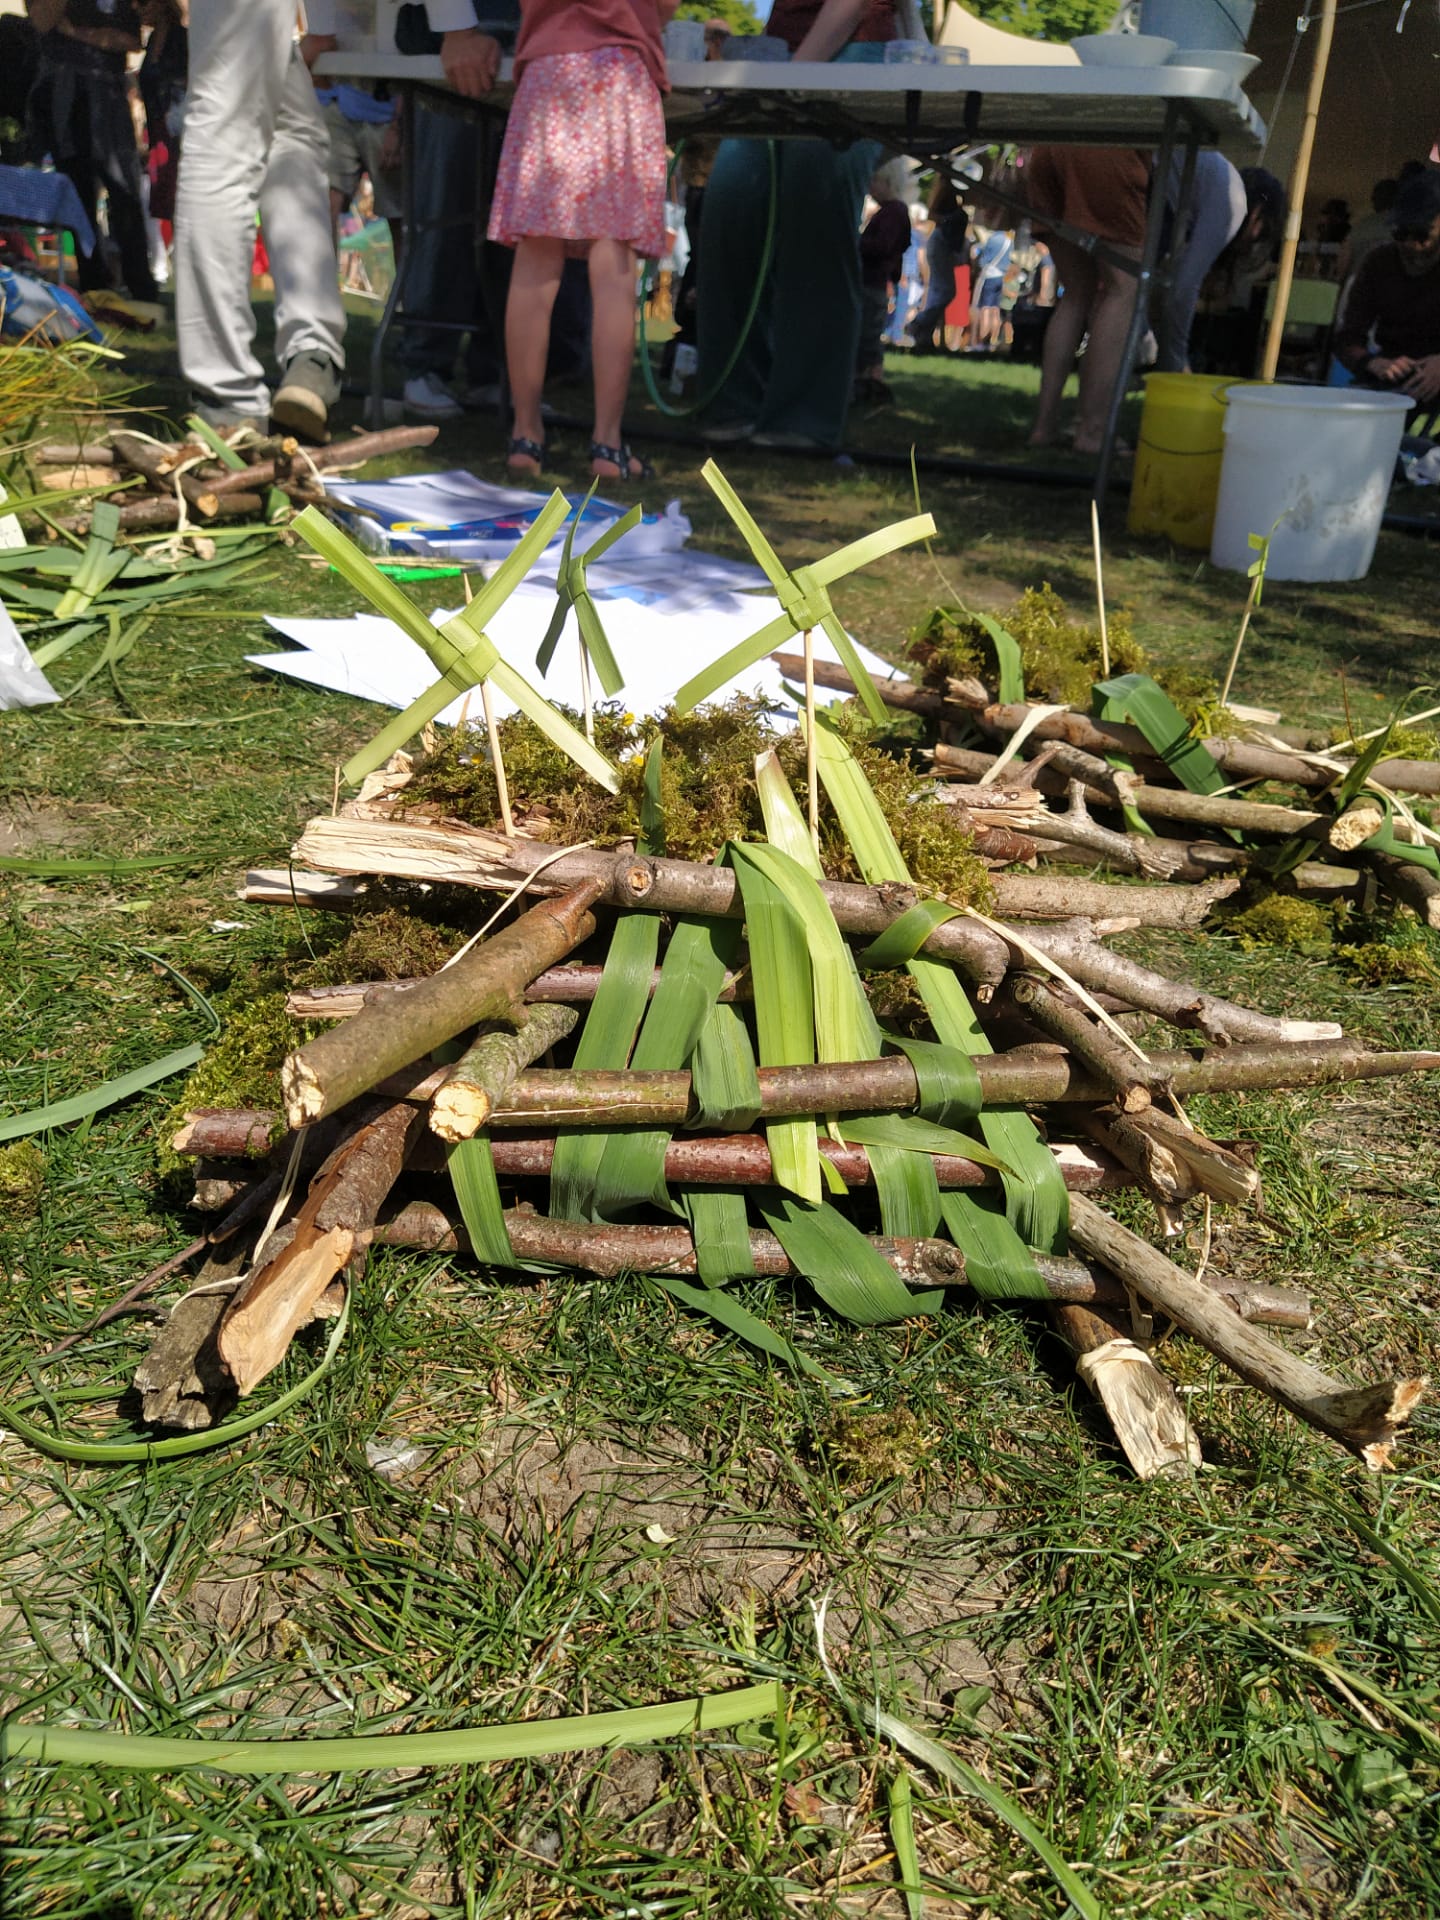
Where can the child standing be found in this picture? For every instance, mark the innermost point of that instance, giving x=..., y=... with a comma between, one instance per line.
x=582, y=174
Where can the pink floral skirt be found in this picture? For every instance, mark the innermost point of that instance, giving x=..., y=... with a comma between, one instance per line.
x=584, y=154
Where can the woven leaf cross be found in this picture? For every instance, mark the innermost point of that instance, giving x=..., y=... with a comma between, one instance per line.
x=461, y=649
x=572, y=590
x=803, y=596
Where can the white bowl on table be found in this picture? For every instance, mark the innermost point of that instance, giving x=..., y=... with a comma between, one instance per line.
x=1123, y=49
x=1236, y=66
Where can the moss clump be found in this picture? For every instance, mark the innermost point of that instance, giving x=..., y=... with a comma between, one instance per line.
x=707, y=791
x=1280, y=920
x=1388, y=963
x=242, y=1068
x=1405, y=743
x=22, y=1181
x=884, y=1444
x=1059, y=657
x=388, y=945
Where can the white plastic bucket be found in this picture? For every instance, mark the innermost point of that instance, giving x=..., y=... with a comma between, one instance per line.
x=1223, y=24
x=1313, y=463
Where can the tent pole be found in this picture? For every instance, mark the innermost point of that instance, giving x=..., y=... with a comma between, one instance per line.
x=1299, y=178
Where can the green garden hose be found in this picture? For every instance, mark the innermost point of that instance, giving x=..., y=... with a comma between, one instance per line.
x=647, y=283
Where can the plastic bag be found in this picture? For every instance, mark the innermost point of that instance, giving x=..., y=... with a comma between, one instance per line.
x=52, y=314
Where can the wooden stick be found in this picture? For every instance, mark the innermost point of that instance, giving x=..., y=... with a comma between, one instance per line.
x=1166, y=1179
x=486, y=984
x=1214, y=1169
x=610, y=1251
x=1100, y=591
x=490, y=1067
x=1299, y=180
x=497, y=758
x=1366, y=1420
x=354, y=452
x=279, y=1296
x=1130, y=1078
x=1361, y=818
x=1410, y=884
x=408, y=849
x=812, y=774
x=1142, y=1405
x=567, y=985
x=1251, y=598
x=165, y=512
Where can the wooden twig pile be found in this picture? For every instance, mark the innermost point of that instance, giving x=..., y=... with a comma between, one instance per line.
x=410, y=1071
x=206, y=477
x=1071, y=754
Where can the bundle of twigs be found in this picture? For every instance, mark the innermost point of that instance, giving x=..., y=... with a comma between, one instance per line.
x=203, y=478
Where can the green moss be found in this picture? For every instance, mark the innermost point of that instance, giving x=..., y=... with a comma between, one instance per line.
x=1405, y=743
x=389, y=945
x=1280, y=920
x=707, y=790
x=864, y=1448
x=242, y=1069
x=1384, y=963
x=22, y=1181
x=1060, y=658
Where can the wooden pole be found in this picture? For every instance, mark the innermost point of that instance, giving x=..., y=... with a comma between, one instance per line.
x=812, y=775
x=1299, y=178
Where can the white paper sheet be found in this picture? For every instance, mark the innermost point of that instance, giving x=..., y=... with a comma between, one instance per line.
x=22, y=684
x=657, y=647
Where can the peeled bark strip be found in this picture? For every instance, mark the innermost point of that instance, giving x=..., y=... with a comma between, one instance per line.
x=345, y=1196
x=1365, y=1420
x=1130, y=1079
x=1410, y=884
x=486, y=984
x=491, y=1067
x=1140, y=1402
x=609, y=1251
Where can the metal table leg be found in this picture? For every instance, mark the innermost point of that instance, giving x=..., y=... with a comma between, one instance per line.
x=1145, y=276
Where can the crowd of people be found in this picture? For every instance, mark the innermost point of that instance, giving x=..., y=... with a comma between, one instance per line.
x=807, y=261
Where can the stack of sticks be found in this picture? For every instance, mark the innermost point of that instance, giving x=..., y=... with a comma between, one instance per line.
x=205, y=477
x=369, y=1107
x=1200, y=836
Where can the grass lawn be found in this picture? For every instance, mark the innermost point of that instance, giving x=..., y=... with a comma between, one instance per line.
x=1217, y=1699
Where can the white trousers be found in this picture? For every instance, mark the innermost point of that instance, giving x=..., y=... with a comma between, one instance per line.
x=254, y=138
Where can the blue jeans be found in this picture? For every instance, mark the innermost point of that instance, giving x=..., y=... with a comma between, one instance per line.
x=795, y=370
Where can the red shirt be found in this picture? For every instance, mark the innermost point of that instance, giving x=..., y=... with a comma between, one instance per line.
x=582, y=26
x=791, y=20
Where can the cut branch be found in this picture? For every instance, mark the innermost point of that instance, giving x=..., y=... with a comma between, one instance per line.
x=1366, y=1420
x=1166, y=1179
x=345, y=1196
x=1216, y=1170
x=1142, y=1405
x=1129, y=1078
x=1410, y=884
x=610, y=1251
x=151, y=461
x=486, y=984
x=490, y=1067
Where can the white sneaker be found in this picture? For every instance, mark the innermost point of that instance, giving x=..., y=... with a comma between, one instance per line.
x=429, y=395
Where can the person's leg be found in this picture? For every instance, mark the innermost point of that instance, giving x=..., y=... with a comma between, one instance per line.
x=1218, y=216
x=817, y=270
x=534, y=282
x=1110, y=312
x=1067, y=326
x=737, y=199
x=117, y=162
x=295, y=216
x=441, y=282
x=612, y=347
x=239, y=57
x=931, y=317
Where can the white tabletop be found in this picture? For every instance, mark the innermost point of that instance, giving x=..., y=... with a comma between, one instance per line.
x=1097, y=105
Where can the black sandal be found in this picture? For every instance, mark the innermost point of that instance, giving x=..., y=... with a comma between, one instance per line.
x=526, y=450
x=622, y=458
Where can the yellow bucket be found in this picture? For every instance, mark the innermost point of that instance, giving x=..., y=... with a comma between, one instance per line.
x=1177, y=463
